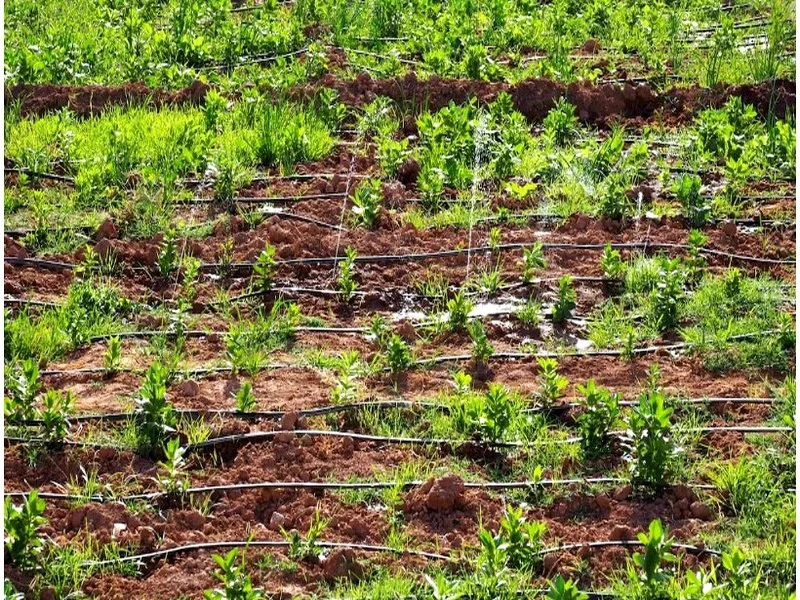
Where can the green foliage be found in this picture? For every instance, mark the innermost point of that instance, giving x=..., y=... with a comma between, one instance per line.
x=565, y=590
x=245, y=399
x=367, y=203
x=173, y=481
x=264, y=269
x=23, y=544
x=530, y=314
x=650, y=564
x=482, y=349
x=288, y=134
x=167, y=260
x=600, y=411
x=306, y=547
x=154, y=414
x=667, y=295
x=497, y=413
x=565, y=301
x=611, y=263
x=56, y=406
x=111, y=360
x=694, y=207
x=398, y=354
x=391, y=154
x=458, y=309
x=561, y=123
x=551, y=384
x=650, y=449
x=23, y=383
x=533, y=260
x=236, y=584
x=347, y=282
x=248, y=343
x=521, y=540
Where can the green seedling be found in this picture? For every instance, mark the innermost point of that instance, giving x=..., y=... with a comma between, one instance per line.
x=23, y=544
x=111, y=360
x=347, y=283
x=173, y=481
x=649, y=447
x=167, y=260
x=245, y=399
x=600, y=411
x=551, y=384
x=398, y=355
x=236, y=584
x=458, y=308
x=565, y=301
x=367, y=203
x=611, y=263
x=264, y=269
x=154, y=414
x=533, y=261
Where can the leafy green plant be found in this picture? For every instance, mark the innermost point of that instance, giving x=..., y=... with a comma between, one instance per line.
x=497, y=413
x=695, y=261
x=565, y=301
x=482, y=349
x=694, y=207
x=551, y=384
x=458, y=309
x=236, y=584
x=565, y=590
x=245, y=399
x=154, y=414
x=561, y=123
x=347, y=283
x=391, y=154
x=668, y=293
x=167, y=260
x=111, y=360
x=611, y=263
x=533, y=260
x=522, y=540
x=24, y=383
x=367, y=203
x=264, y=269
x=306, y=548
x=23, y=544
x=600, y=411
x=531, y=313
x=650, y=564
x=649, y=447
x=56, y=407
x=398, y=354
x=174, y=480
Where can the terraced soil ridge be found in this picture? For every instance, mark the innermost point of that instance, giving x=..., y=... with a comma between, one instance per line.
x=534, y=98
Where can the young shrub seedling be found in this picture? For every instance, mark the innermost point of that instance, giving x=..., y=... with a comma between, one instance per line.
x=367, y=203
x=154, y=413
x=24, y=385
x=482, y=349
x=667, y=295
x=236, y=584
x=566, y=300
x=347, y=283
x=245, y=399
x=306, y=548
x=561, y=123
x=56, y=406
x=458, y=308
x=533, y=260
x=648, y=568
x=694, y=208
x=649, y=446
x=611, y=263
x=551, y=384
x=565, y=590
x=497, y=413
x=531, y=313
x=601, y=410
x=167, y=260
x=111, y=360
x=174, y=481
x=264, y=269
x=21, y=525
x=398, y=355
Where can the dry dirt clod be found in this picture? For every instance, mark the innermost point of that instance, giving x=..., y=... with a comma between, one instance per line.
x=729, y=228
x=284, y=437
x=289, y=420
x=346, y=447
x=623, y=493
x=701, y=511
x=341, y=564
x=190, y=388
x=231, y=387
x=107, y=230
x=550, y=562
x=603, y=502
x=445, y=493
x=276, y=521
x=683, y=492
x=621, y=533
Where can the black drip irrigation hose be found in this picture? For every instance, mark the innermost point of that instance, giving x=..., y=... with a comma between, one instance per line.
x=40, y=175
x=430, y=361
x=689, y=548
x=414, y=257
x=337, y=486
x=265, y=199
x=259, y=436
x=168, y=552
x=276, y=414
